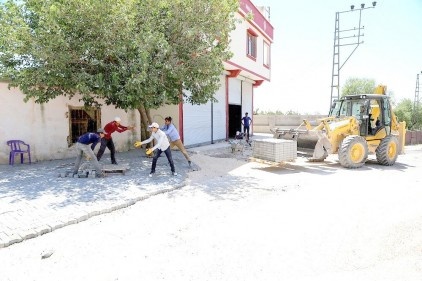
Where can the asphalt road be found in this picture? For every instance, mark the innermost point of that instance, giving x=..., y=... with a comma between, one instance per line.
x=240, y=220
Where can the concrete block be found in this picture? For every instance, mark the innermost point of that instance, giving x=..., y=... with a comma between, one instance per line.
x=275, y=150
x=15, y=238
x=4, y=240
x=28, y=234
x=43, y=229
x=91, y=174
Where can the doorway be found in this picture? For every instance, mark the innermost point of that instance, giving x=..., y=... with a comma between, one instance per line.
x=235, y=122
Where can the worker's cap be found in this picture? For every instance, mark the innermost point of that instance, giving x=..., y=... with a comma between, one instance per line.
x=100, y=130
x=117, y=119
x=154, y=125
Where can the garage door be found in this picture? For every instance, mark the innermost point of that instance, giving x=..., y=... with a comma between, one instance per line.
x=205, y=123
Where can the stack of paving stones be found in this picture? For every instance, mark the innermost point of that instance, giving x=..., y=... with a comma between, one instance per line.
x=275, y=150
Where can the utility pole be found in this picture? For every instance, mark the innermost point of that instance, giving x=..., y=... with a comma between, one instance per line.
x=415, y=115
x=348, y=37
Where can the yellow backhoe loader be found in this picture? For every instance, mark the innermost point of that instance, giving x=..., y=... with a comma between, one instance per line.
x=357, y=125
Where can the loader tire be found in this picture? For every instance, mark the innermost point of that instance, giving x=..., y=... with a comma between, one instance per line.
x=353, y=152
x=387, y=151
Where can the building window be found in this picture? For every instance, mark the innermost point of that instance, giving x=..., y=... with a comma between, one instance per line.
x=266, y=54
x=81, y=121
x=251, y=44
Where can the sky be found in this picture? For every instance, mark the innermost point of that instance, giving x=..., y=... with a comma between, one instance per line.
x=302, y=51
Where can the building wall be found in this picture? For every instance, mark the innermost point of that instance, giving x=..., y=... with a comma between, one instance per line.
x=264, y=123
x=219, y=112
x=45, y=127
x=198, y=124
x=158, y=115
x=238, y=46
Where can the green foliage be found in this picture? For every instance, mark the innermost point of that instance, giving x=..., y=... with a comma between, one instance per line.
x=129, y=53
x=357, y=86
x=405, y=111
x=417, y=118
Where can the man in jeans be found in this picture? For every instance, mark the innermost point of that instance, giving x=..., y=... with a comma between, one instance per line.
x=107, y=140
x=174, y=136
x=246, y=122
x=162, y=145
x=86, y=144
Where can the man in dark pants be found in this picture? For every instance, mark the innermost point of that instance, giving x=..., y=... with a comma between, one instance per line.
x=246, y=122
x=163, y=145
x=107, y=140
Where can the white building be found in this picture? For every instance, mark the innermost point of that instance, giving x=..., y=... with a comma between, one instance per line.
x=249, y=67
x=51, y=129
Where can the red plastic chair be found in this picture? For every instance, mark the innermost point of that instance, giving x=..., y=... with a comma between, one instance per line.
x=18, y=147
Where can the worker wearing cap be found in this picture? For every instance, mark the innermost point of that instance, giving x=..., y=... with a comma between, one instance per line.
x=174, y=137
x=162, y=145
x=107, y=140
x=86, y=144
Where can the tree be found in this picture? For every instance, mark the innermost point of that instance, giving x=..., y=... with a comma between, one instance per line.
x=406, y=111
x=403, y=111
x=134, y=54
x=357, y=86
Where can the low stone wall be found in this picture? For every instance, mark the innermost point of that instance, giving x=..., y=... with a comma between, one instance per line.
x=263, y=124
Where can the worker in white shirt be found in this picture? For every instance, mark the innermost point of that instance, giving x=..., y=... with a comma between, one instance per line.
x=162, y=145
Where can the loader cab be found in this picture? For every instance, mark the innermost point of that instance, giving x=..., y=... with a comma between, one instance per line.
x=347, y=106
x=373, y=112
x=380, y=111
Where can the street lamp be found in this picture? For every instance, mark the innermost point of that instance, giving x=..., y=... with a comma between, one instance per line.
x=348, y=38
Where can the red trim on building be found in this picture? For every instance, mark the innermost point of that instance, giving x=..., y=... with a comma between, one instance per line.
x=227, y=107
x=259, y=21
x=245, y=69
x=234, y=73
x=251, y=57
x=252, y=110
x=258, y=83
x=181, y=119
x=252, y=32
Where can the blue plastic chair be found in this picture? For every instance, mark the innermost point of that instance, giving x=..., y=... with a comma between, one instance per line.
x=18, y=147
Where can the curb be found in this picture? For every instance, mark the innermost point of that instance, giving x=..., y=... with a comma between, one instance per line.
x=80, y=216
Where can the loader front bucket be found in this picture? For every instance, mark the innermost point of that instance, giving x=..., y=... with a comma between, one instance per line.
x=309, y=141
x=305, y=138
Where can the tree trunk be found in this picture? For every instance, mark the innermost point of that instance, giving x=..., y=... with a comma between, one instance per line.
x=145, y=121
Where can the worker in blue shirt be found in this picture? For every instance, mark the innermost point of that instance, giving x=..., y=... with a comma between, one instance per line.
x=86, y=144
x=174, y=137
x=246, y=122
